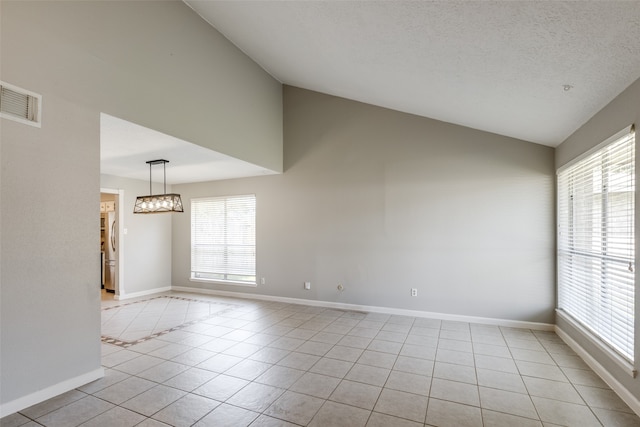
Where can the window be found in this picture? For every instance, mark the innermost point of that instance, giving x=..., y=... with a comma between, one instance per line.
x=596, y=256
x=223, y=239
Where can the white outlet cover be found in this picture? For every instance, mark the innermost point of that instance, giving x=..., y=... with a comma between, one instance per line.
x=307, y=285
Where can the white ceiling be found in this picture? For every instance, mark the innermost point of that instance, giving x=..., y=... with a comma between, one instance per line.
x=125, y=148
x=498, y=66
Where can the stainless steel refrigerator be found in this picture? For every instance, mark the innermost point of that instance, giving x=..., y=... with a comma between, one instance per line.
x=109, y=245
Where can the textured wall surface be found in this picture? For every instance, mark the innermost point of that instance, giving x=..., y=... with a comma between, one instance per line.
x=382, y=201
x=156, y=63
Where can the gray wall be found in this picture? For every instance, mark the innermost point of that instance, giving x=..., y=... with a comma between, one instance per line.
x=155, y=63
x=383, y=201
x=619, y=113
x=147, y=244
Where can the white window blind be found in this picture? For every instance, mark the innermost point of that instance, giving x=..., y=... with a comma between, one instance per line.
x=596, y=256
x=223, y=239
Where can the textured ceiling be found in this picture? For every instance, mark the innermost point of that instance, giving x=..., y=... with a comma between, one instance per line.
x=495, y=66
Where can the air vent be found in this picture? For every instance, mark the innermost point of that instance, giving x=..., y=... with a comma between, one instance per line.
x=20, y=105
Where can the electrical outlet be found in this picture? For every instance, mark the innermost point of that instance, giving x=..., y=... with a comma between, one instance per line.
x=307, y=285
x=263, y=281
x=414, y=292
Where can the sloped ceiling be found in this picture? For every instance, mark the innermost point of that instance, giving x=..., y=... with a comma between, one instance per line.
x=533, y=70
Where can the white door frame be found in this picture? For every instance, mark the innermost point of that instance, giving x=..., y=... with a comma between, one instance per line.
x=120, y=285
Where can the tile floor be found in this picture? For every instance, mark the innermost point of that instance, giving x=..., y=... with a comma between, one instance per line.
x=275, y=364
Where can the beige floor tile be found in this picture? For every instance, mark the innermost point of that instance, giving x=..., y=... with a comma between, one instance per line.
x=221, y=387
x=255, y=397
x=455, y=357
x=615, y=418
x=193, y=357
x=356, y=394
x=357, y=342
x=115, y=417
x=376, y=358
x=125, y=390
x=14, y=420
x=300, y=361
x=455, y=392
x=186, y=411
x=419, y=351
x=383, y=420
x=190, y=379
x=153, y=400
x=411, y=383
x=422, y=340
x=450, y=414
x=447, y=344
x=75, y=413
x=385, y=346
x=532, y=356
x=400, y=361
x=500, y=380
x=403, y=405
x=413, y=365
x=36, y=411
x=163, y=371
x=540, y=370
x=368, y=374
x=314, y=348
x=334, y=414
x=448, y=371
x=332, y=367
x=315, y=385
x=498, y=419
x=556, y=390
x=526, y=344
x=340, y=352
x=269, y=355
x=326, y=337
x=602, y=398
x=584, y=377
x=219, y=363
x=248, y=369
x=139, y=364
x=507, y=402
x=280, y=376
x=266, y=421
x=491, y=350
x=242, y=349
x=227, y=416
x=495, y=363
x=564, y=413
x=456, y=335
x=295, y=407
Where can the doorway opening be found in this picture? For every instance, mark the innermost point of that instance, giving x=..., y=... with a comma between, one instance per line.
x=111, y=247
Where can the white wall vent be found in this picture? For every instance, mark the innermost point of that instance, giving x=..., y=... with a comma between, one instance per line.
x=20, y=105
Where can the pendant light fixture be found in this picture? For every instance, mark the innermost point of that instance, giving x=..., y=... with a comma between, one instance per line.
x=158, y=203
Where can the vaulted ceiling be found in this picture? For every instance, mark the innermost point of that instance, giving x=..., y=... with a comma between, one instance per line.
x=534, y=70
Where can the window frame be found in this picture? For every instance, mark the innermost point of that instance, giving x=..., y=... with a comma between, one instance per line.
x=228, y=276
x=566, y=249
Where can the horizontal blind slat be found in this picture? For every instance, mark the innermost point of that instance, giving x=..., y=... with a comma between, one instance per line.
x=596, y=243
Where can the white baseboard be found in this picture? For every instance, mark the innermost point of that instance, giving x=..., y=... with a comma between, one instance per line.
x=49, y=392
x=615, y=385
x=374, y=309
x=142, y=293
